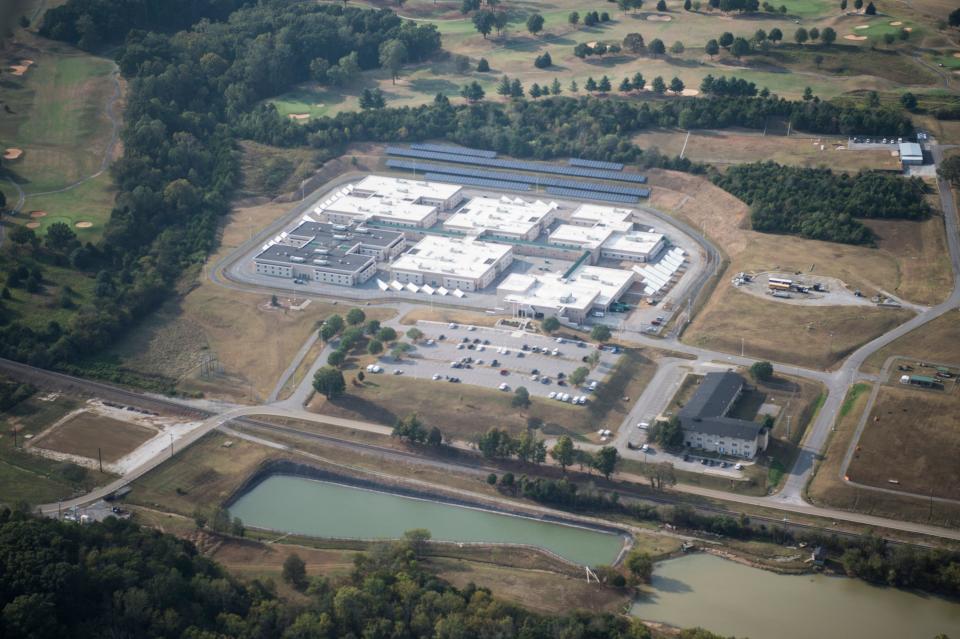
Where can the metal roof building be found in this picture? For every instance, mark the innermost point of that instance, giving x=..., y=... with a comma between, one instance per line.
x=910, y=153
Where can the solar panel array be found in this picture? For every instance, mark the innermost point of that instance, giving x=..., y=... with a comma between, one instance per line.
x=516, y=177
x=474, y=181
x=593, y=195
x=455, y=150
x=518, y=165
x=594, y=164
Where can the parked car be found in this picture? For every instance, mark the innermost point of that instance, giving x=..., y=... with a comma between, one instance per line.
x=504, y=371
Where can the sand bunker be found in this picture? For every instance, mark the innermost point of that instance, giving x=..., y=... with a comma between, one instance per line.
x=908, y=29
x=32, y=225
x=299, y=116
x=12, y=154
x=38, y=214
x=895, y=23
x=659, y=18
x=691, y=92
x=83, y=225
x=850, y=36
x=862, y=26
x=21, y=67
x=957, y=55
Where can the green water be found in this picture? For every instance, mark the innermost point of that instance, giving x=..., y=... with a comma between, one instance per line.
x=321, y=509
x=731, y=599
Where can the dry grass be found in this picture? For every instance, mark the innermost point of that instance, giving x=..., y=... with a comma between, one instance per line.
x=253, y=560
x=539, y=590
x=922, y=258
x=912, y=436
x=435, y=314
x=735, y=146
x=464, y=411
x=86, y=433
x=827, y=489
x=815, y=337
x=937, y=341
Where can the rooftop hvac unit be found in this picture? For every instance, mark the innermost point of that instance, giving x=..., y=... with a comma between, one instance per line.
x=339, y=227
x=297, y=258
x=321, y=251
x=321, y=262
x=340, y=237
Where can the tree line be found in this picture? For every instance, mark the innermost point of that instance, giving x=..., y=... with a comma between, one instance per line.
x=820, y=204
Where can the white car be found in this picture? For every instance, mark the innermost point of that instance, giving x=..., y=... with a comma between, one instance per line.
x=739, y=466
x=552, y=394
x=583, y=400
x=369, y=368
x=566, y=397
x=534, y=378
x=452, y=325
x=559, y=340
x=504, y=387
x=471, y=328
x=645, y=448
x=460, y=346
x=397, y=371
x=556, y=352
x=593, y=386
x=436, y=376
x=643, y=425
x=481, y=348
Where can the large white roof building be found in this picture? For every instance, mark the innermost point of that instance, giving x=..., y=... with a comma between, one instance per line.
x=467, y=264
x=390, y=201
x=502, y=218
x=634, y=246
x=588, y=289
x=614, y=218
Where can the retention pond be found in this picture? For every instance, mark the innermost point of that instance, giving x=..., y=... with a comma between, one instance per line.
x=732, y=599
x=323, y=509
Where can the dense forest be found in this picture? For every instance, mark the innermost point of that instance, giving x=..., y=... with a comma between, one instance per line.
x=118, y=580
x=820, y=204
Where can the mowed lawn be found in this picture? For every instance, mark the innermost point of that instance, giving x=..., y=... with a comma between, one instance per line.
x=88, y=434
x=936, y=341
x=912, y=437
x=60, y=122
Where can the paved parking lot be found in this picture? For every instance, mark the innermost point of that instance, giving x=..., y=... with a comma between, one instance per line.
x=435, y=359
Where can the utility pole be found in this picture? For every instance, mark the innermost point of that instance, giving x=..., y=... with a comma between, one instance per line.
x=171, y=445
x=100, y=459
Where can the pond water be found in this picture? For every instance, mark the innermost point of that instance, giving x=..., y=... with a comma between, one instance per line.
x=732, y=599
x=322, y=509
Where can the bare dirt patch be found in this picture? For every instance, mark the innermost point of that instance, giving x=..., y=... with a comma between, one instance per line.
x=32, y=225
x=659, y=18
x=85, y=433
x=83, y=225
x=12, y=154
x=299, y=117
x=912, y=437
x=896, y=23
x=36, y=214
x=857, y=38
x=862, y=26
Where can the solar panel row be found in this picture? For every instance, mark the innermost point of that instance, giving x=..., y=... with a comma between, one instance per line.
x=518, y=165
x=594, y=164
x=455, y=150
x=593, y=195
x=472, y=181
x=517, y=177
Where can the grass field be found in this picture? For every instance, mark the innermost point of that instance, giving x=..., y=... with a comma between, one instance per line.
x=58, y=117
x=38, y=309
x=463, y=411
x=937, y=341
x=827, y=489
x=911, y=436
x=738, y=146
x=86, y=434
x=28, y=477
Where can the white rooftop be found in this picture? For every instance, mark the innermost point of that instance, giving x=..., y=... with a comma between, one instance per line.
x=384, y=207
x=403, y=188
x=465, y=257
x=586, y=287
x=910, y=150
x=513, y=216
x=595, y=214
x=633, y=242
x=588, y=237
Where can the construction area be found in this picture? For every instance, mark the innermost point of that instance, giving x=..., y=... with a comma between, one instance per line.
x=806, y=290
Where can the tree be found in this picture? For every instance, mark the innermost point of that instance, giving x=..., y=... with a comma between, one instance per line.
x=337, y=358
x=496, y=443
x=355, y=316
x=372, y=99
x=605, y=461
x=601, y=332
x=59, y=237
x=418, y=538
x=687, y=5
x=843, y=5
x=828, y=36
x=543, y=61
x=531, y=449
x=814, y=34
x=329, y=382
x=726, y=39
x=660, y=474
x=775, y=35
x=579, y=375
x=574, y=18
x=535, y=23
x=469, y=5
x=625, y=86
x=807, y=94
x=295, y=571
x=516, y=88
x=954, y=18
x=760, y=35
x=661, y=5
x=604, y=85
x=500, y=20
x=386, y=334
x=667, y=433
x=335, y=322
x=550, y=324
x=818, y=60
x=473, y=92
x=483, y=66
x=801, y=35
x=555, y=87
x=740, y=48
x=638, y=82
x=393, y=53
x=483, y=21
x=414, y=334
x=676, y=48
x=633, y=42
x=504, y=87
x=657, y=47
x=375, y=347
x=871, y=10
x=372, y=327
x=676, y=85
x=889, y=38
x=574, y=88
x=761, y=371
x=435, y=437
x=949, y=170
x=640, y=565
x=858, y=4
x=712, y=48
x=410, y=428
x=521, y=398
x=562, y=451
